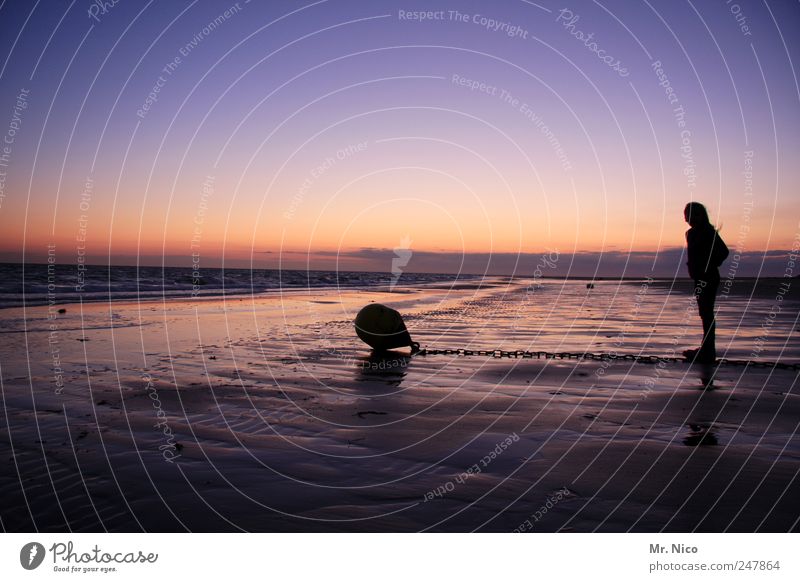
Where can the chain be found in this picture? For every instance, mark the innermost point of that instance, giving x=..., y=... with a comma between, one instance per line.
x=640, y=359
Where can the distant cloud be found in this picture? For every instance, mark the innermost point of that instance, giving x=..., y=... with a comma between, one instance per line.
x=668, y=262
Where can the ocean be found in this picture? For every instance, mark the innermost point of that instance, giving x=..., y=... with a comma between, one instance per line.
x=41, y=284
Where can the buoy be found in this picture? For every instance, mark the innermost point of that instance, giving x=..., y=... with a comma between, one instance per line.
x=382, y=328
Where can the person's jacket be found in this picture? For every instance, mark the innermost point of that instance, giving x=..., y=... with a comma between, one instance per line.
x=705, y=251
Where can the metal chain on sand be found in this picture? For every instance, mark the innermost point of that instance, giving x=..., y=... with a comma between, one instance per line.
x=639, y=359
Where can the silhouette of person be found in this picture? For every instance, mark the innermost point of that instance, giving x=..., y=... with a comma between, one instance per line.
x=705, y=251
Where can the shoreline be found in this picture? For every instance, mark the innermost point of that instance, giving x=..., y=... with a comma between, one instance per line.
x=684, y=285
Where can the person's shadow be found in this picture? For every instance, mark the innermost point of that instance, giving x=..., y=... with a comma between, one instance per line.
x=706, y=373
x=702, y=431
x=700, y=435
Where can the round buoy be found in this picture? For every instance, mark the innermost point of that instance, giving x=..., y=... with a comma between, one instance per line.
x=382, y=328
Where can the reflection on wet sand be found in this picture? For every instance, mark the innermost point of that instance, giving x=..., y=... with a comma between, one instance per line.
x=287, y=422
x=700, y=435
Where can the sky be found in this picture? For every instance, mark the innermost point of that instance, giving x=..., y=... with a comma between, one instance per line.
x=450, y=136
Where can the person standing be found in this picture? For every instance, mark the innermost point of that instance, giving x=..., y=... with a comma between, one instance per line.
x=705, y=251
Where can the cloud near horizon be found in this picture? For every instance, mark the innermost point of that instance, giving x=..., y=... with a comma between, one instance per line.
x=668, y=262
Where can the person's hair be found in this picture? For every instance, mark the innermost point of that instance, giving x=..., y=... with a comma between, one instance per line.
x=697, y=213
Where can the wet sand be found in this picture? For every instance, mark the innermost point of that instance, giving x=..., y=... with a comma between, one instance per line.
x=267, y=414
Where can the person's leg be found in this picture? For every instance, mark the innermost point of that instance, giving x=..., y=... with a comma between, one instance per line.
x=706, y=298
x=691, y=354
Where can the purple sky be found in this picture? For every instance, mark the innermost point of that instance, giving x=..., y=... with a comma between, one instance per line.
x=473, y=136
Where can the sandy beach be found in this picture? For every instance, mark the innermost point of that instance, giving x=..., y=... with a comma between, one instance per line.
x=266, y=413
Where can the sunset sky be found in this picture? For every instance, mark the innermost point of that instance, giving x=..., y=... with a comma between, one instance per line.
x=328, y=134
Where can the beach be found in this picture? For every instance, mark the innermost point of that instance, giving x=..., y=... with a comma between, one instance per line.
x=265, y=412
